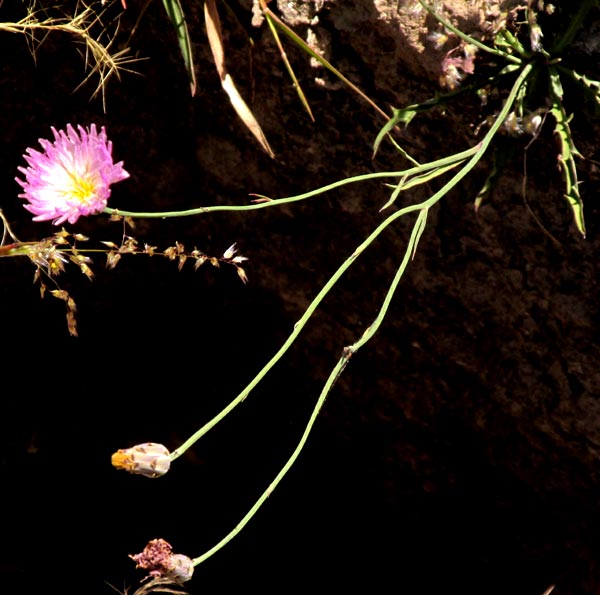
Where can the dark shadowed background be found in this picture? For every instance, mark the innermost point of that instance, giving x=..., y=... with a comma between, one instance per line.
x=459, y=451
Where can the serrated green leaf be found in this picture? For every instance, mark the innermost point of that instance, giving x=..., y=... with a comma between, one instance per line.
x=556, y=87
x=566, y=161
x=590, y=86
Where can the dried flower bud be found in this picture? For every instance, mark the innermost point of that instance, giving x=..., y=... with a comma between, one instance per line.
x=148, y=459
x=181, y=568
x=160, y=562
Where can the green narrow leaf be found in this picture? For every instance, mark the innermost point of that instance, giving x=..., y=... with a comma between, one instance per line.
x=276, y=21
x=417, y=181
x=399, y=187
x=419, y=229
x=507, y=56
x=506, y=38
x=288, y=66
x=175, y=14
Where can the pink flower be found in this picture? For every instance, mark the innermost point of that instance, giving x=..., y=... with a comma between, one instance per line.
x=72, y=177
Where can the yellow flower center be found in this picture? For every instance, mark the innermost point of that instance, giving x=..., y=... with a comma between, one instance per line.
x=122, y=460
x=82, y=189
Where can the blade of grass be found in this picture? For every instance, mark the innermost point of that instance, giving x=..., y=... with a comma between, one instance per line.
x=306, y=48
x=288, y=66
x=175, y=14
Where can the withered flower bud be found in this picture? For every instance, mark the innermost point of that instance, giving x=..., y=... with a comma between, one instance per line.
x=148, y=459
x=181, y=568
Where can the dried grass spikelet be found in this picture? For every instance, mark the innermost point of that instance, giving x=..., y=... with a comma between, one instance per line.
x=86, y=27
x=160, y=585
x=63, y=295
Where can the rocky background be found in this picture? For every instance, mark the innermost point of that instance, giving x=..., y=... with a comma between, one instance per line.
x=458, y=452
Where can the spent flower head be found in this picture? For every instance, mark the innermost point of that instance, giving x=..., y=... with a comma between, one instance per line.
x=160, y=562
x=71, y=177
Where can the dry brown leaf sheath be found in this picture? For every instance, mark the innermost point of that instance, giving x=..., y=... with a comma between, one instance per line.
x=215, y=39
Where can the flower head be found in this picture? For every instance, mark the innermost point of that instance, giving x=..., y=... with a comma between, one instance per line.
x=160, y=562
x=71, y=177
x=148, y=459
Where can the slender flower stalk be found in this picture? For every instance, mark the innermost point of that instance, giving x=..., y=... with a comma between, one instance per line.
x=71, y=177
x=262, y=202
x=475, y=154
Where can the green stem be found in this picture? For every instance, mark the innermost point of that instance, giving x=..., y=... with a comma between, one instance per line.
x=296, y=331
x=482, y=147
x=16, y=249
x=279, y=201
x=333, y=377
x=411, y=248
